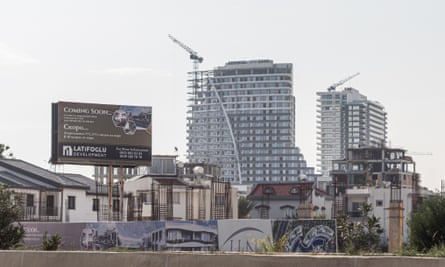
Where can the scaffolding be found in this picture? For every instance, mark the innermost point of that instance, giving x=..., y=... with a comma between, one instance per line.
x=208, y=200
x=210, y=136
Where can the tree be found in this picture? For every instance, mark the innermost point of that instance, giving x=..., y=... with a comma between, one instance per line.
x=244, y=207
x=4, y=151
x=11, y=232
x=427, y=228
x=360, y=236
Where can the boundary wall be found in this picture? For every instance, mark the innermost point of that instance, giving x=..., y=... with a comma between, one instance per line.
x=151, y=259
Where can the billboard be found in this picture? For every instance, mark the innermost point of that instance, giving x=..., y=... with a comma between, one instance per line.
x=98, y=134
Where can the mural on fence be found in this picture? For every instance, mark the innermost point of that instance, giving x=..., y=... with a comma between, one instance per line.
x=223, y=235
x=131, y=235
x=306, y=235
x=242, y=235
x=190, y=236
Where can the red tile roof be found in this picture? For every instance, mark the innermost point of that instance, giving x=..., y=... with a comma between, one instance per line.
x=281, y=189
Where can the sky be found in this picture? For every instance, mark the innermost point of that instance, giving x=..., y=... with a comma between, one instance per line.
x=118, y=52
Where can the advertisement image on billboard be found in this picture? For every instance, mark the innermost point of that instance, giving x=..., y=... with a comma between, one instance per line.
x=98, y=134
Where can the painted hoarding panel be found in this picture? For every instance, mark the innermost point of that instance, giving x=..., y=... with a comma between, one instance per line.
x=70, y=233
x=223, y=235
x=306, y=235
x=243, y=235
x=86, y=133
x=191, y=236
x=130, y=235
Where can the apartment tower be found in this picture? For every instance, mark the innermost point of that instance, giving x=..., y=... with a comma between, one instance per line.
x=347, y=119
x=242, y=117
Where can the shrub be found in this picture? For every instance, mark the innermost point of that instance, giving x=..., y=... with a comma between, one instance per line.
x=52, y=243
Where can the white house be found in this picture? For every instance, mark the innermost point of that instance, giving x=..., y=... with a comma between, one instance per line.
x=54, y=197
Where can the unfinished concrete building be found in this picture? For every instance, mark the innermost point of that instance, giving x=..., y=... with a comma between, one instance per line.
x=381, y=176
x=193, y=192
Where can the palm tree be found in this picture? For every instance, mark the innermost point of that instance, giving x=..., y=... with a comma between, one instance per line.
x=244, y=207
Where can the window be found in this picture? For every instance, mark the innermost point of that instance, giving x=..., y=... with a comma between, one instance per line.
x=294, y=191
x=219, y=200
x=115, y=205
x=264, y=212
x=71, y=202
x=289, y=211
x=176, y=198
x=379, y=203
x=95, y=204
x=30, y=200
x=50, y=210
x=146, y=198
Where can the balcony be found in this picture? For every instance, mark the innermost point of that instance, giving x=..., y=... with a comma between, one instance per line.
x=362, y=191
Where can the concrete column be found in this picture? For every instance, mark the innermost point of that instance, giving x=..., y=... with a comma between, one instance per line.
x=395, y=226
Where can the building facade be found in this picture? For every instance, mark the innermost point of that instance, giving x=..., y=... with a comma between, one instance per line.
x=384, y=177
x=282, y=201
x=242, y=117
x=47, y=196
x=194, y=192
x=347, y=119
x=372, y=167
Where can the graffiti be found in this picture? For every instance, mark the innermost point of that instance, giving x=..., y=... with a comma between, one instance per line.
x=316, y=240
x=307, y=235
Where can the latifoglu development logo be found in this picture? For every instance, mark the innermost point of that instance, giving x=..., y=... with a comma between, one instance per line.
x=67, y=151
x=83, y=151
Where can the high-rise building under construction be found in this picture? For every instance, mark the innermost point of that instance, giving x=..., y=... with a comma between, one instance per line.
x=242, y=117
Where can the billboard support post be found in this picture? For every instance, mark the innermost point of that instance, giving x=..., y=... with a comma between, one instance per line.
x=110, y=193
x=121, y=193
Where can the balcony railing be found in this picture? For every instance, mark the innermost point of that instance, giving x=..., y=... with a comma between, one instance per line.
x=35, y=213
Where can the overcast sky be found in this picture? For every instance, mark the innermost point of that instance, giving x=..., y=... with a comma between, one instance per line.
x=118, y=52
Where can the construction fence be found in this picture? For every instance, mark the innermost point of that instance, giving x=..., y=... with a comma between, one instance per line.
x=253, y=235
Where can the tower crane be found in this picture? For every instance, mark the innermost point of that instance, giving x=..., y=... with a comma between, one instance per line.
x=335, y=85
x=193, y=54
